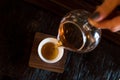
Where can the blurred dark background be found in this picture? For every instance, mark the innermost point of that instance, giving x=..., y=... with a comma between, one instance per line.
x=19, y=20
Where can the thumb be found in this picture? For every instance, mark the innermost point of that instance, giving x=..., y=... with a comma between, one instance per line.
x=104, y=10
x=113, y=24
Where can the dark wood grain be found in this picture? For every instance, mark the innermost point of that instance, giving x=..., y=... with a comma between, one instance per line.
x=36, y=62
x=49, y=6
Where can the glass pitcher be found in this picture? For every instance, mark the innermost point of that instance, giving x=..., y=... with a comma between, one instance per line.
x=76, y=34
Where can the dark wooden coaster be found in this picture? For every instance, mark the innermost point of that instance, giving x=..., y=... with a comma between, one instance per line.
x=36, y=62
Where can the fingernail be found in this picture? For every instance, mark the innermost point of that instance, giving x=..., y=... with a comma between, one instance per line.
x=95, y=15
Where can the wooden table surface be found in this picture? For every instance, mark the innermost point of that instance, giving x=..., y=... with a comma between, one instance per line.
x=19, y=21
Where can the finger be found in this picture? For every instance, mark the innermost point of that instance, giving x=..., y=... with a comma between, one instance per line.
x=113, y=24
x=104, y=10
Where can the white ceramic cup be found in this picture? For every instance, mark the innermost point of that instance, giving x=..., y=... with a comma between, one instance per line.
x=60, y=50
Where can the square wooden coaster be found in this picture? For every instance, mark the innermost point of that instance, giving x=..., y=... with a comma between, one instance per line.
x=36, y=62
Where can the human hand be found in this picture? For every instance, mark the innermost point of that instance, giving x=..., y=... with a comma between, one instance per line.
x=99, y=17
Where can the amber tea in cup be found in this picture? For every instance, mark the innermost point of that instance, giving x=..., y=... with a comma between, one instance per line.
x=49, y=51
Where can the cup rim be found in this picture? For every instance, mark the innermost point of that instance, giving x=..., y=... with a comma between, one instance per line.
x=60, y=50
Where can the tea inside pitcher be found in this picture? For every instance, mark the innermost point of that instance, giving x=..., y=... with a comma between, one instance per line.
x=70, y=36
